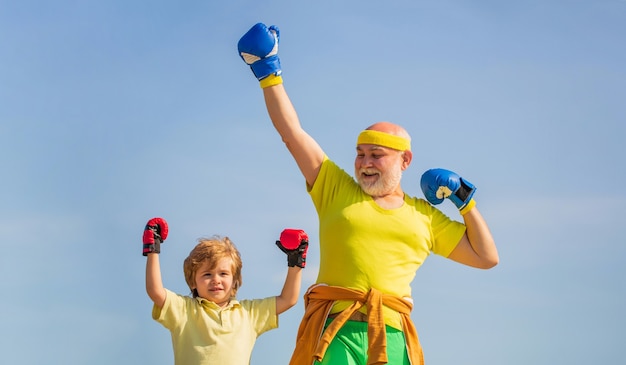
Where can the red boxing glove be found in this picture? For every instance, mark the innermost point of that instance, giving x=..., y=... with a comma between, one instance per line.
x=295, y=243
x=153, y=235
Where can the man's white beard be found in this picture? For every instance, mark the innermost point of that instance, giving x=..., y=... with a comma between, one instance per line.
x=384, y=185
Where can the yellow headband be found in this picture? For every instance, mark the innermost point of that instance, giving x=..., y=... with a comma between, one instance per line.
x=384, y=139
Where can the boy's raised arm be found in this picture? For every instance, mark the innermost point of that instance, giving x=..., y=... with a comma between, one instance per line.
x=154, y=234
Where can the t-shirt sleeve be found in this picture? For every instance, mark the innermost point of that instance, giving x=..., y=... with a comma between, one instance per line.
x=262, y=313
x=446, y=232
x=172, y=312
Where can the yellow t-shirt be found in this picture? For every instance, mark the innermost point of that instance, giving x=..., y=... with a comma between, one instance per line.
x=204, y=333
x=364, y=246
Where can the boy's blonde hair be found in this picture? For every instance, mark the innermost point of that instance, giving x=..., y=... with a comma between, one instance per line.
x=212, y=250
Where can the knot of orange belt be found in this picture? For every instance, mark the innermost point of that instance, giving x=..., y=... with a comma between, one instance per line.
x=319, y=299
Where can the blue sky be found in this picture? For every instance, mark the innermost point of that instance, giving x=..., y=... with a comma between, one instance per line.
x=112, y=112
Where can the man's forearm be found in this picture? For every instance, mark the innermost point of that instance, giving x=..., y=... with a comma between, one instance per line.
x=480, y=238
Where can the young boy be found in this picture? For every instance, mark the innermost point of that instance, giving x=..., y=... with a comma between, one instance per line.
x=212, y=326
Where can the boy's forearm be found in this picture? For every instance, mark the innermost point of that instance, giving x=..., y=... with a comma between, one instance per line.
x=293, y=281
x=154, y=283
x=291, y=290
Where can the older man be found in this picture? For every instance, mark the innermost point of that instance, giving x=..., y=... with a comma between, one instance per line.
x=373, y=236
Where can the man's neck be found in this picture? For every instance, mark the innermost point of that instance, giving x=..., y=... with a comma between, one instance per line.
x=390, y=201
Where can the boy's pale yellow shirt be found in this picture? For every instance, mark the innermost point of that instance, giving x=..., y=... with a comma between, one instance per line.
x=203, y=333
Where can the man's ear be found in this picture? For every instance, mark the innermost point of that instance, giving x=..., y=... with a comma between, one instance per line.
x=407, y=157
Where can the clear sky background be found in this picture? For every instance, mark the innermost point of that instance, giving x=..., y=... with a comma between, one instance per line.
x=113, y=112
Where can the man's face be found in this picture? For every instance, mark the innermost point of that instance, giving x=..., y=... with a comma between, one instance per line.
x=378, y=170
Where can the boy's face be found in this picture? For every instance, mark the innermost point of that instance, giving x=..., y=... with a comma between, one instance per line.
x=216, y=285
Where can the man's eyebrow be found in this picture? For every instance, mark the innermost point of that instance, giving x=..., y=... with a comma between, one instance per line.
x=374, y=147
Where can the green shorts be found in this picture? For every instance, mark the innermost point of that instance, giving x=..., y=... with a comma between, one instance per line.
x=349, y=347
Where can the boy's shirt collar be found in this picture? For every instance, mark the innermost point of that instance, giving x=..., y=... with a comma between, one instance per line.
x=207, y=304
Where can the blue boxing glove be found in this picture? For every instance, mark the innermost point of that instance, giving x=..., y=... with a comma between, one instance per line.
x=259, y=49
x=438, y=184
